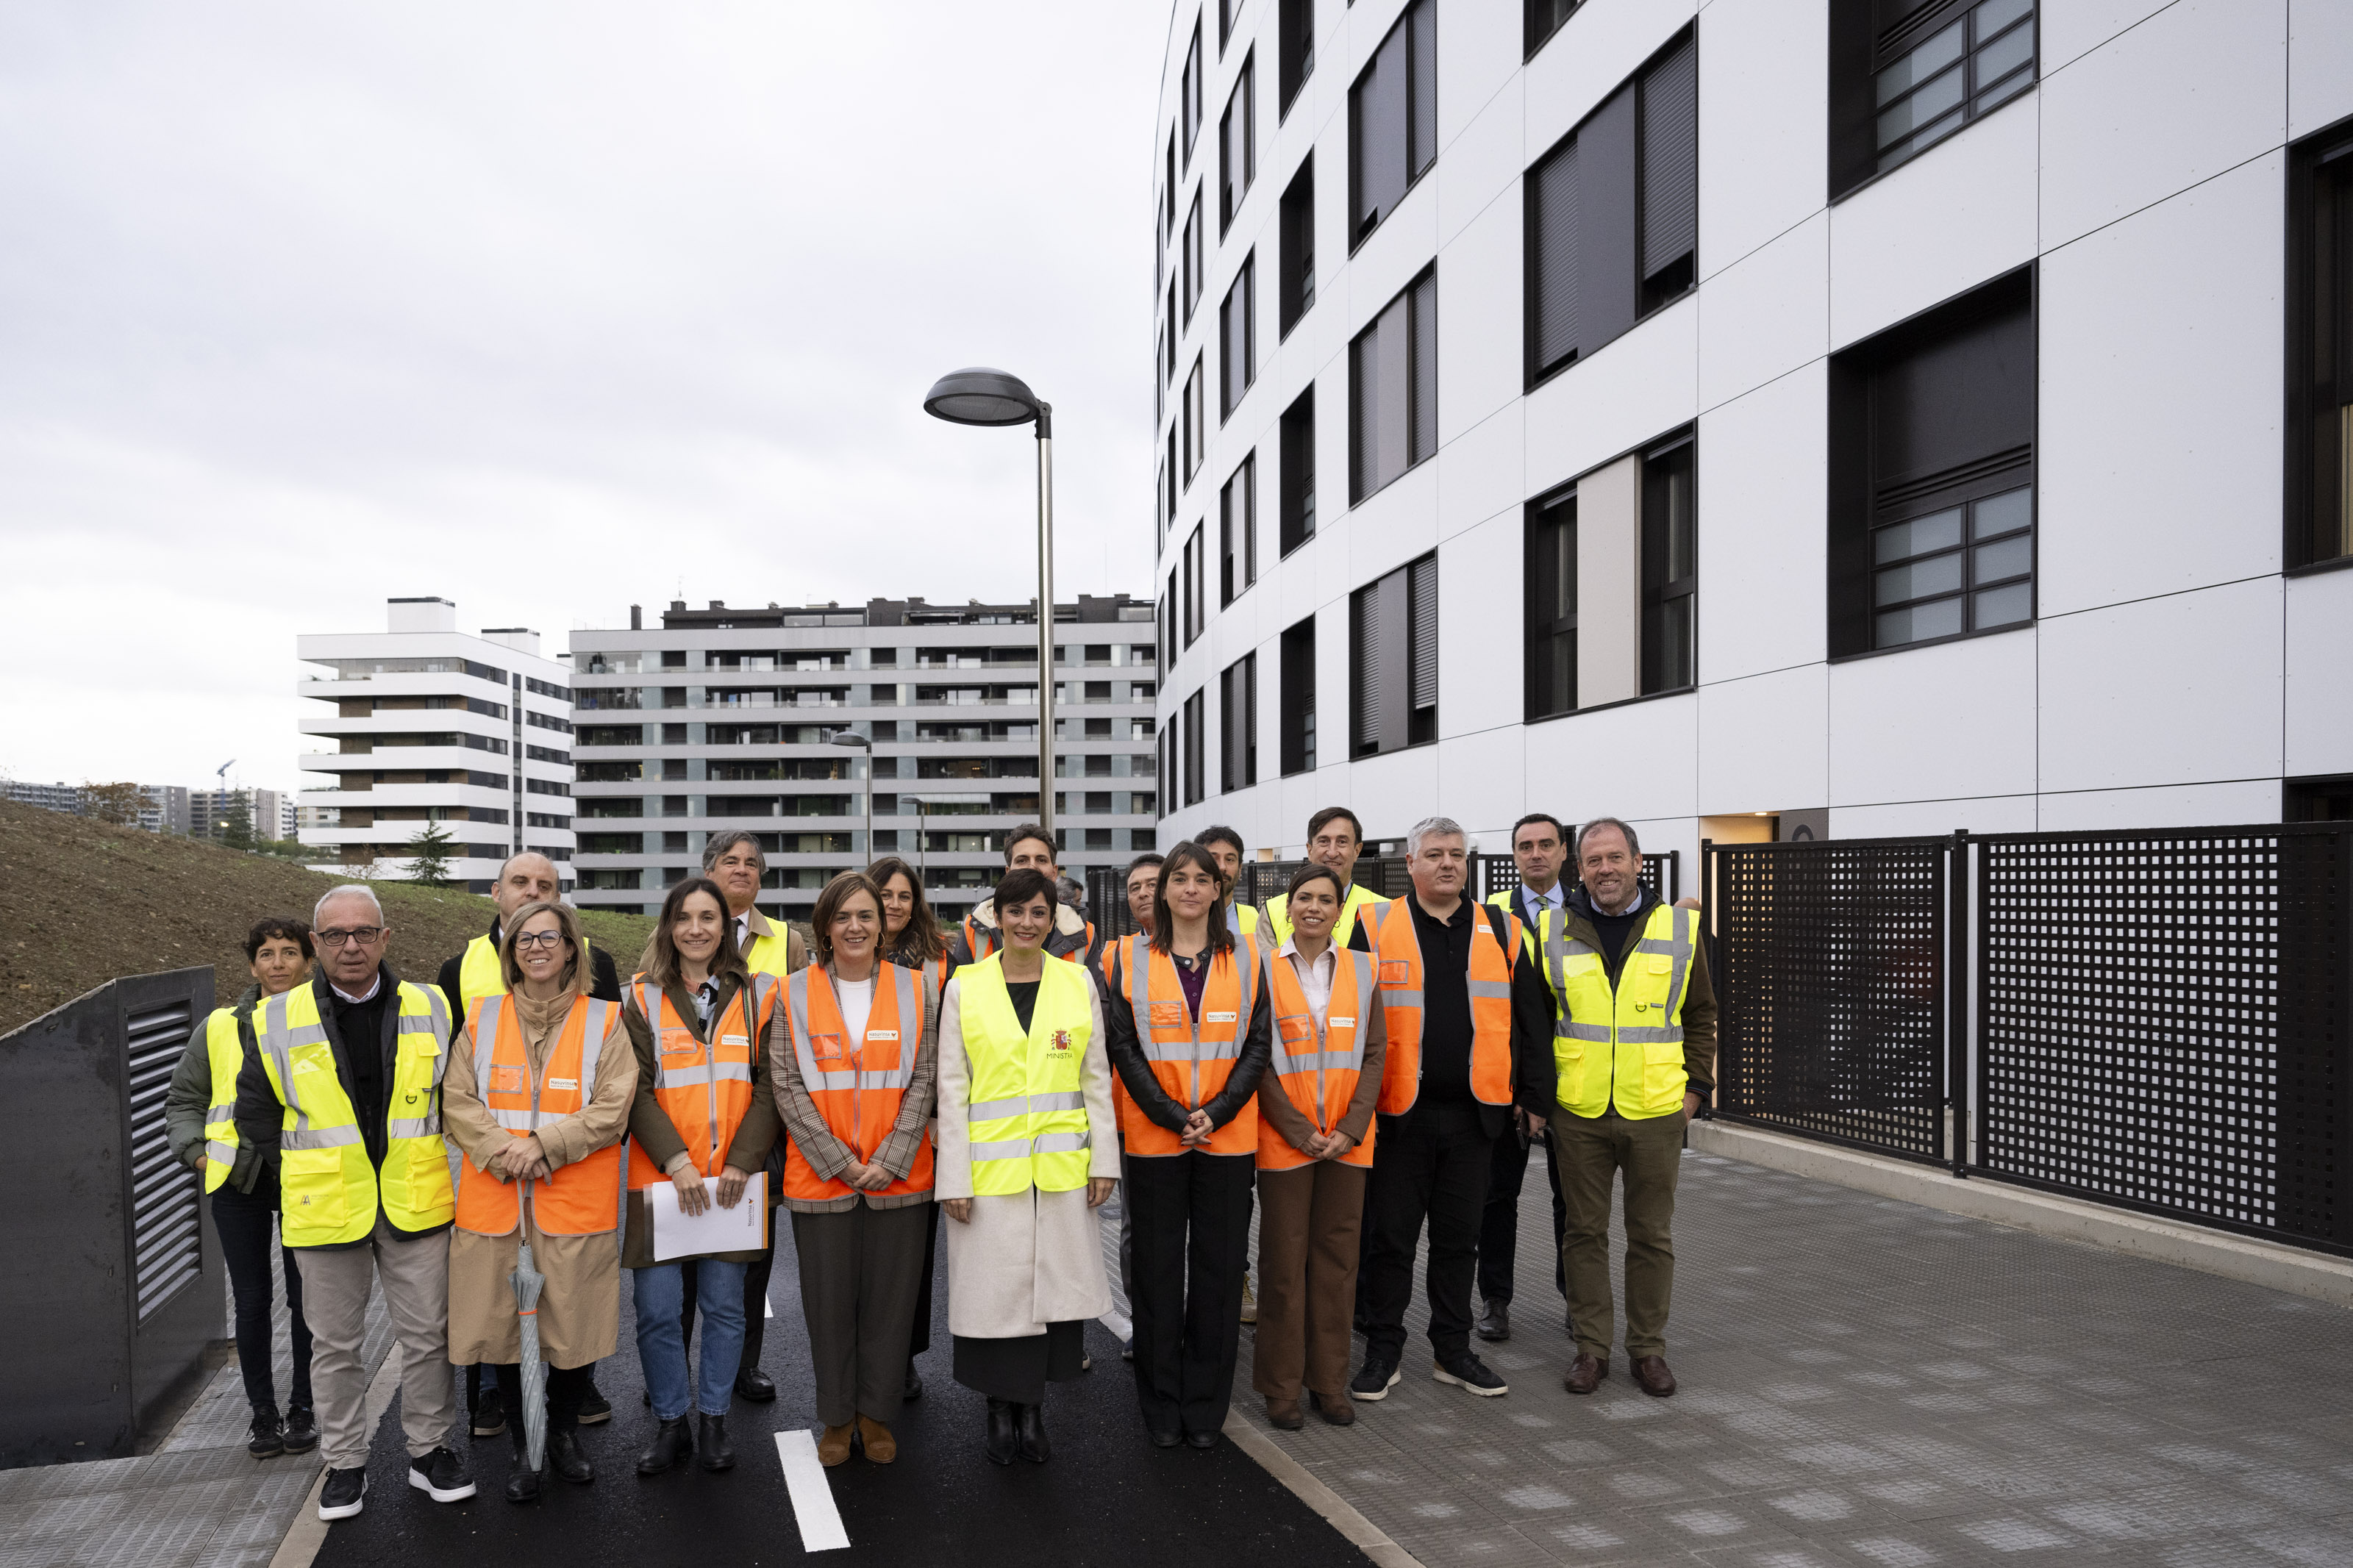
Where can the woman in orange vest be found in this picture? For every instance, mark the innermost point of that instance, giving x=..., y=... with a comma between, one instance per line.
x=536, y=1097
x=911, y=939
x=1314, y=1152
x=1187, y=1019
x=854, y=1067
x=705, y=1120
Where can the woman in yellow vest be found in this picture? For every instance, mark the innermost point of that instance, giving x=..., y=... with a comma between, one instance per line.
x=911, y=939
x=1189, y=1036
x=240, y=1170
x=854, y=1070
x=537, y=1096
x=1028, y=1151
x=1314, y=1152
x=705, y=1120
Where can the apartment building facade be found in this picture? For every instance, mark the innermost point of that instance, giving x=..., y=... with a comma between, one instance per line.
x=422, y=724
x=789, y=722
x=1844, y=418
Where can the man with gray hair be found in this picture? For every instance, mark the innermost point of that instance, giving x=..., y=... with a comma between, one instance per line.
x=351, y=1066
x=1469, y=1023
x=737, y=863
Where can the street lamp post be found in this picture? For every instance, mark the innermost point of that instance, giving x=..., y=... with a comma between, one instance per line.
x=850, y=738
x=982, y=396
x=923, y=836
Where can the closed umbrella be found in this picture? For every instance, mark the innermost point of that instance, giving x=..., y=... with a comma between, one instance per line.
x=528, y=1283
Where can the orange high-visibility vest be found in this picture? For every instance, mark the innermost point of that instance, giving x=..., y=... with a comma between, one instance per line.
x=1398, y=951
x=1317, y=1064
x=583, y=1198
x=858, y=1084
x=704, y=1088
x=1191, y=1056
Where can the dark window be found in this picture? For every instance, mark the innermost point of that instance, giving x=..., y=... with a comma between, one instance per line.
x=1393, y=120
x=2320, y=349
x=1161, y=509
x=1168, y=196
x=1613, y=213
x=1195, y=779
x=1297, y=238
x=1237, y=339
x=1238, y=145
x=1238, y=532
x=2318, y=800
x=1172, y=608
x=1544, y=19
x=1552, y=605
x=1298, y=715
x=1237, y=713
x=1932, y=473
x=1175, y=481
x=1393, y=390
x=1197, y=276
x=1296, y=524
x=1196, y=609
x=1168, y=335
x=1193, y=419
x=1670, y=569
x=1905, y=75
x=1393, y=660
x=1295, y=49
x=1188, y=95
x=1168, y=763
x=1226, y=9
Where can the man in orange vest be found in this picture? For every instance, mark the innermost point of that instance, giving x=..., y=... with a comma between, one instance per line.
x=1469, y=1031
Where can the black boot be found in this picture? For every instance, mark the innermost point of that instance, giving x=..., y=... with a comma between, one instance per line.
x=564, y=1455
x=1032, y=1424
x=522, y=1481
x=1001, y=1438
x=711, y=1443
x=671, y=1444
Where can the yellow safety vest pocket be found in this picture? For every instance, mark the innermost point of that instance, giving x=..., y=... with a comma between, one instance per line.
x=429, y=1187
x=312, y=1191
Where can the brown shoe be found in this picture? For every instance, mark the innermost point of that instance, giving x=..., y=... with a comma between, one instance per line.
x=833, y=1446
x=1284, y=1413
x=1585, y=1374
x=1336, y=1408
x=876, y=1439
x=1651, y=1375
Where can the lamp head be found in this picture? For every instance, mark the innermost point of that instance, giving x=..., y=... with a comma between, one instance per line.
x=848, y=738
x=979, y=395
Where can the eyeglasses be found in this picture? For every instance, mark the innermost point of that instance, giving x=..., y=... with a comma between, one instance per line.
x=363, y=935
x=538, y=939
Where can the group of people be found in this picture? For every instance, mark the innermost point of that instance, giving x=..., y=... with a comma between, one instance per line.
x=1356, y=1070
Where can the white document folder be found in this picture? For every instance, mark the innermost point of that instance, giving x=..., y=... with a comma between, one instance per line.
x=740, y=1230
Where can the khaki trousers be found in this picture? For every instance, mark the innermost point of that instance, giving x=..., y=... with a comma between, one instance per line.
x=1592, y=1151
x=414, y=1271
x=1308, y=1225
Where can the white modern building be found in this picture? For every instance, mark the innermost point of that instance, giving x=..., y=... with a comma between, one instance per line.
x=421, y=723
x=1854, y=416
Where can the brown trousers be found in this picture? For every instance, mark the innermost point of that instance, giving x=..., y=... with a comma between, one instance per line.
x=1307, y=1248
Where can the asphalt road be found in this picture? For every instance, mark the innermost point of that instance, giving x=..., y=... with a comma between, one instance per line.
x=1108, y=1497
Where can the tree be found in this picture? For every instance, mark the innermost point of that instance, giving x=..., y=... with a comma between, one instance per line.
x=429, y=857
x=117, y=803
x=236, y=822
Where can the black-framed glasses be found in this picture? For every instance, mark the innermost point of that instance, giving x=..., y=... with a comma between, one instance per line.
x=548, y=939
x=363, y=935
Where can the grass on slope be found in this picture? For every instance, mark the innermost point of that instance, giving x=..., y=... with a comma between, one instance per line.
x=82, y=902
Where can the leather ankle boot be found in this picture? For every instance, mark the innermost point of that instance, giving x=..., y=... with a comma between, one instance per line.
x=564, y=1455
x=1001, y=1438
x=1030, y=1420
x=711, y=1443
x=522, y=1481
x=672, y=1443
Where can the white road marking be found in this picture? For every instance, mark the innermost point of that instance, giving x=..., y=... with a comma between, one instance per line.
x=769, y=1308
x=812, y=1494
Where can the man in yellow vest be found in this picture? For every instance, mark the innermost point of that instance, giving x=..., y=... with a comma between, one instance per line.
x=352, y=1063
x=1335, y=839
x=1225, y=847
x=1634, y=1060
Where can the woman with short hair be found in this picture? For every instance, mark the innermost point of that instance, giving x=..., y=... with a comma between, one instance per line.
x=912, y=938
x=536, y=1096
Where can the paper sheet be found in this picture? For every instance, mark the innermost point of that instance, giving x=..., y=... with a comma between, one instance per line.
x=715, y=1229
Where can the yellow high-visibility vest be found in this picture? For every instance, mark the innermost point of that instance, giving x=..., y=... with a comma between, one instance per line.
x=1027, y=1111
x=480, y=974
x=329, y=1191
x=225, y=1051
x=1533, y=939
x=1279, y=919
x=1624, y=1045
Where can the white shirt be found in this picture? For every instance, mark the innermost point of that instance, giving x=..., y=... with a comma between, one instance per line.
x=375, y=985
x=744, y=931
x=857, y=1000
x=1315, y=975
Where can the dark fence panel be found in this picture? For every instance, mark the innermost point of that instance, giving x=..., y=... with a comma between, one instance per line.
x=2164, y=1022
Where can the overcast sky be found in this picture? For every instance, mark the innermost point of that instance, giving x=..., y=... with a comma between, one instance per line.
x=544, y=309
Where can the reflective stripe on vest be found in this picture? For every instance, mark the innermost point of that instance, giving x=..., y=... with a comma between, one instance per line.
x=1191, y=1054
x=1623, y=1044
x=329, y=1191
x=480, y=973
x=857, y=1086
x=583, y=1198
x=1027, y=1117
x=704, y=1087
x=1398, y=947
x=1320, y=1078
x=225, y=1053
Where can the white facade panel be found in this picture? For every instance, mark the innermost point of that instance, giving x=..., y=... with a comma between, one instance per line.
x=1764, y=742
x=1761, y=489
x=2319, y=64
x=2319, y=673
x=1955, y=721
x=1765, y=315
x=1763, y=73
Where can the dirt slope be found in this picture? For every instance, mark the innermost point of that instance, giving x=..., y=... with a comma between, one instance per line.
x=82, y=902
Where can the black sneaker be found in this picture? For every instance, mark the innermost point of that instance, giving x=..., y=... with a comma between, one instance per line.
x=268, y=1438
x=1467, y=1370
x=1375, y=1379
x=301, y=1429
x=594, y=1407
x=491, y=1414
x=440, y=1477
x=340, y=1498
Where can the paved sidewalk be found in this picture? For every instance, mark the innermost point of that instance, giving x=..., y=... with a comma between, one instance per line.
x=1867, y=1381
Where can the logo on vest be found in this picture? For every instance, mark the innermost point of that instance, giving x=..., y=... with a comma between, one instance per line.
x=1061, y=1040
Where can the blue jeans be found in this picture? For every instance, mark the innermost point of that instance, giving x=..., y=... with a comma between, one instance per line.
x=659, y=1293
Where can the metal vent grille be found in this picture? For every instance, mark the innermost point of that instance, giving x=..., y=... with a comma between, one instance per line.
x=166, y=1224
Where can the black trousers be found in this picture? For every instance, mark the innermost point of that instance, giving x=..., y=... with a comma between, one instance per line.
x=1018, y=1370
x=1190, y=1237
x=1498, y=1227
x=1433, y=1164
x=756, y=1301
x=919, y=1335
x=567, y=1386
x=242, y=1221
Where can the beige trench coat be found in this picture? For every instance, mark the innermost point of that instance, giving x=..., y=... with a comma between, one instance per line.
x=580, y=1310
x=1025, y=1259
